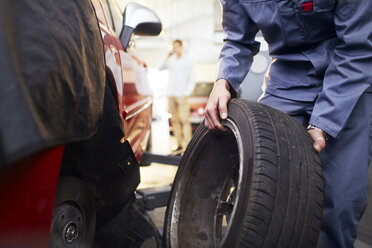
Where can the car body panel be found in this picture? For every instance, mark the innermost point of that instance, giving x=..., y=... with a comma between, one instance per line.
x=27, y=190
x=135, y=109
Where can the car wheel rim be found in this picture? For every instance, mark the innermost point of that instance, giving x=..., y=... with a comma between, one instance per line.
x=225, y=207
x=68, y=225
x=229, y=196
x=225, y=186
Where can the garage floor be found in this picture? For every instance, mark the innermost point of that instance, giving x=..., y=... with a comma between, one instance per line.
x=160, y=174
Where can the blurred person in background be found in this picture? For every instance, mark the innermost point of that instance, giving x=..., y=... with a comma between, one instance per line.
x=180, y=86
x=321, y=76
x=132, y=62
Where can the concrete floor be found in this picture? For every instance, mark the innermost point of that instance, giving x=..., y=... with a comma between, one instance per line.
x=360, y=244
x=159, y=174
x=153, y=176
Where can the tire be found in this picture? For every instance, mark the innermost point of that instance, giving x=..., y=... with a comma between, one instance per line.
x=259, y=184
x=74, y=217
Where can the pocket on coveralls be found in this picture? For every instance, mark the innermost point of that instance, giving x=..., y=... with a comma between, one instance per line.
x=317, y=19
x=306, y=21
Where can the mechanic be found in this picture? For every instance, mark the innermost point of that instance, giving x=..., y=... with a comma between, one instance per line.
x=320, y=74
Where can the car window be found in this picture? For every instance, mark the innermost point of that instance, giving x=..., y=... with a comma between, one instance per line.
x=117, y=16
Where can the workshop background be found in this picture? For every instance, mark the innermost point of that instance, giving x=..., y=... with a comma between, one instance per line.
x=138, y=88
x=198, y=25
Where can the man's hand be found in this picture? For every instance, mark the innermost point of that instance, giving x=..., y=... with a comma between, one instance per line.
x=171, y=53
x=318, y=137
x=217, y=105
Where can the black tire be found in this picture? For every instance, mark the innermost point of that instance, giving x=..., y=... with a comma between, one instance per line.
x=260, y=184
x=74, y=217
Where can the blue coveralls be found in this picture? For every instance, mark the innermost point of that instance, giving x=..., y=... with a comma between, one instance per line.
x=320, y=74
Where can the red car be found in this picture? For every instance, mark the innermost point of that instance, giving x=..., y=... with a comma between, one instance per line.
x=135, y=109
x=198, y=102
x=71, y=116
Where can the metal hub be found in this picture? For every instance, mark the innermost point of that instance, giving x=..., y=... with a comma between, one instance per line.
x=225, y=204
x=71, y=233
x=68, y=225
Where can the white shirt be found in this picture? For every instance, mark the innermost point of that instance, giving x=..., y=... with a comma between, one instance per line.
x=180, y=76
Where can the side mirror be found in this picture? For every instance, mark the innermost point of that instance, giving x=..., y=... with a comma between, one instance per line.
x=139, y=20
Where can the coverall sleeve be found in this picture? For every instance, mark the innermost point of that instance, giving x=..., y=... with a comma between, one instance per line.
x=240, y=46
x=349, y=72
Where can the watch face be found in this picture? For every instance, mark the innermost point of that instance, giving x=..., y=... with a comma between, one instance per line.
x=259, y=64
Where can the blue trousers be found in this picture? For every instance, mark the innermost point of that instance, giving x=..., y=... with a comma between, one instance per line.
x=345, y=163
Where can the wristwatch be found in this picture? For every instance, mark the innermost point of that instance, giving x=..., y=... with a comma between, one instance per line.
x=311, y=127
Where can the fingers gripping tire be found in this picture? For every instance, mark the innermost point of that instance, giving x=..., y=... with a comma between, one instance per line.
x=260, y=184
